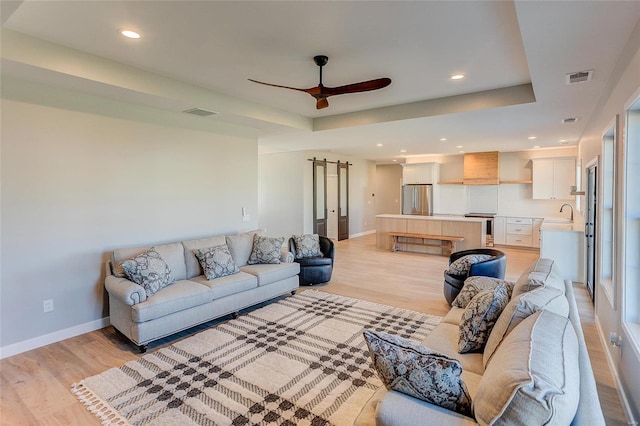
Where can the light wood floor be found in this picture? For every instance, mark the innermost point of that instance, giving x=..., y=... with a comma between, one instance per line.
x=34, y=386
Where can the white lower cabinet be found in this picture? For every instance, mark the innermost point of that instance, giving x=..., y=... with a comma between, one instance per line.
x=499, y=230
x=517, y=231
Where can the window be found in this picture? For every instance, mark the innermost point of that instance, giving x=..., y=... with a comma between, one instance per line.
x=631, y=225
x=607, y=217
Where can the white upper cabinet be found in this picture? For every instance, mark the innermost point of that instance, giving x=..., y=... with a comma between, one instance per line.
x=420, y=173
x=553, y=178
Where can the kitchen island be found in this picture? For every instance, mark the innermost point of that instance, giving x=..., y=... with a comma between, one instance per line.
x=473, y=230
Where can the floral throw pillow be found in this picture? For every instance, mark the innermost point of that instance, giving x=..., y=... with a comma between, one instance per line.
x=307, y=245
x=216, y=261
x=148, y=270
x=474, y=285
x=479, y=318
x=462, y=265
x=408, y=367
x=265, y=250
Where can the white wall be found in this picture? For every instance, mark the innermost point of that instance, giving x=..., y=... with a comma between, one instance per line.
x=388, y=189
x=76, y=184
x=288, y=179
x=624, y=84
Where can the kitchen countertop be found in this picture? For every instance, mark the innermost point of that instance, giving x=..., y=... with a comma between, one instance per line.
x=562, y=225
x=453, y=218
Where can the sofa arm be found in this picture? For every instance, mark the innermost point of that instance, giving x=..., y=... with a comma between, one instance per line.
x=286, y=256
x=126, y=291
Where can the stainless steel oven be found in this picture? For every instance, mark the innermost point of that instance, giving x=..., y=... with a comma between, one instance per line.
x=489, y=218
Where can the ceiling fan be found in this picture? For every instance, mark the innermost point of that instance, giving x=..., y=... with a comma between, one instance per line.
x=321, y=92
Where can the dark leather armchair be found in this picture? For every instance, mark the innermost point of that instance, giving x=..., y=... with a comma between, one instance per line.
x=494, y=267
x=315, y=270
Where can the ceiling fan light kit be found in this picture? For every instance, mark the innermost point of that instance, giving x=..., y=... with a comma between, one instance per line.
x=321, y=92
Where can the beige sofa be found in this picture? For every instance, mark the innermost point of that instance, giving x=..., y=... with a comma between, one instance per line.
x=537, y=373
x=192, y=299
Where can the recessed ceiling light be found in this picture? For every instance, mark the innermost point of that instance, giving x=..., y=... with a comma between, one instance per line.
x=531, y=138
x=461, y=152
x=536, y=147
x=403, y=150
x=443, y=139
x=379, y=144
x=457, y=77
x=395, y=161
x=562, y=140
x=130, y=34
x=459, y=146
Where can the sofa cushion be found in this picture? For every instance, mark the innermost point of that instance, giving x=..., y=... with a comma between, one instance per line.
x=406, y=366
x=172, y=253
x=270, y=273
x=228, y=285
x=149, y=271
x=307, y=245
x=534, y=376
x=444, y=339
x=177, y=297
x=240, y=246
x=479, y=317
x=519, y=308
x=216, y=261
x=542, y=272
x=476, y=284
x=397, y=409
x=453, y=316
x=265, y=250
x=191, y=261
x=462, y=265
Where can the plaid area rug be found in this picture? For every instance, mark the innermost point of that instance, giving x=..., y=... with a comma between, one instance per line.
x=299, y=361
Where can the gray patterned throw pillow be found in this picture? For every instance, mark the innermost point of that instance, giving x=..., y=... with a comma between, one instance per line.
x=479, y=318
x=474, y=285
x=148, y=270
x=216, y=261
x=408, y=367
x=307, y=245
x=265, y=250
x=462, y=265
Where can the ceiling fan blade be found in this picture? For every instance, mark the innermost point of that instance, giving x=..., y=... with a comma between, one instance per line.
x=310, y=91
x=363, y=86
x=322, y=103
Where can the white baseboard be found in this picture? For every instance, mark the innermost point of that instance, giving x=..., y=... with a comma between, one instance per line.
x=616, y=378
x=47, y=339
x=362, y=234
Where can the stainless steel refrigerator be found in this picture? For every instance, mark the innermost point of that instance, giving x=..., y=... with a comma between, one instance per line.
x=417, y=199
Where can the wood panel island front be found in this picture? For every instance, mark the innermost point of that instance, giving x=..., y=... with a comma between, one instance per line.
x=473, y=230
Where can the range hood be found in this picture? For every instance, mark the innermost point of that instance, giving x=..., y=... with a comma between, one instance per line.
x=482, y=168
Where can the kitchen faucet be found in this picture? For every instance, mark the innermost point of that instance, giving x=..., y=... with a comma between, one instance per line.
x=571, y=207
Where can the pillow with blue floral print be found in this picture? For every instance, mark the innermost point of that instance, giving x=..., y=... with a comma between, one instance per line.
x=265, y=250
x=462, y=265
x=216, y=261
x=408, y=367
x=307, y=245
x=148, y=270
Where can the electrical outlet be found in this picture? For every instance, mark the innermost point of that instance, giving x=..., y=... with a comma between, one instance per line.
x=47, y=305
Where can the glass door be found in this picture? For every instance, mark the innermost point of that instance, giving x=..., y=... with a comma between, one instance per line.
x=320, y=197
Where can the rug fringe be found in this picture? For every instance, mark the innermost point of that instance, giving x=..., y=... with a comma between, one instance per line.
x=98, y=407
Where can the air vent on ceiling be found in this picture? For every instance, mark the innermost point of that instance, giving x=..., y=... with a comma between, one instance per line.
x=570, y=120
x=200, y=112
x=578, y=77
